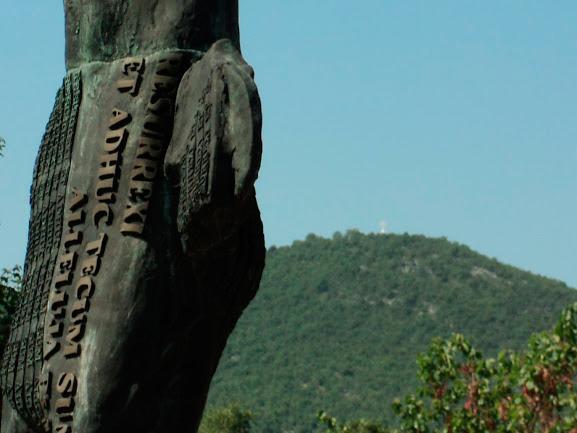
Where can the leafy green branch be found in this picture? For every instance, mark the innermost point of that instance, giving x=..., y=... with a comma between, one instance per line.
x=10, y=284
x=532, y=391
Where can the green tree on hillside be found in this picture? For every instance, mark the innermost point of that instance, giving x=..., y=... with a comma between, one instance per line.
x=530, y=391
x=10, y=283
x=229, y=419
x=338, y=324
x=357, y=426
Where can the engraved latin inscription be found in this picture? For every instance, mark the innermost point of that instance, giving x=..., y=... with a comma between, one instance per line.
x=132, y=70
x=66, y=387
x=152, y=143
x=64, y=274
x=81, y=262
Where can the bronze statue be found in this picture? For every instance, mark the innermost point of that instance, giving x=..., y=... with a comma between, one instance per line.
x=145, y=241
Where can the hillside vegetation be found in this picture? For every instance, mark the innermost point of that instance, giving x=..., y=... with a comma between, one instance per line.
x=338, y=323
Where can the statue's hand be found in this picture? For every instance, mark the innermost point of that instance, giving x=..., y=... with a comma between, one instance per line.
x=214, y=156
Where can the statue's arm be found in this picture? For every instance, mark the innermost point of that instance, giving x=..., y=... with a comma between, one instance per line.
x=214, y=155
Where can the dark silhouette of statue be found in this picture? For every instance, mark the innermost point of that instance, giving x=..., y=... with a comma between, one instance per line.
x=145, y=241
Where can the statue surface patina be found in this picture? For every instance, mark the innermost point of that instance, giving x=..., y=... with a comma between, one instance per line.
x=145, y=239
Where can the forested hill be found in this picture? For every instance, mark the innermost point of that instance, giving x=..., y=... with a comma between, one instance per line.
x=338, y=323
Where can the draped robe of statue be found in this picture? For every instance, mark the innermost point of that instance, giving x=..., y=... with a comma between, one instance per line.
x=145, y=241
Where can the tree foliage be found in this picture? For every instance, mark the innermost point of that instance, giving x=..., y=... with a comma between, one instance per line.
x=229, y=419
x=10, y=283
x=332, y=425
x=527, y=391
x=530, y=391
x=533, y=390
x=338, y=323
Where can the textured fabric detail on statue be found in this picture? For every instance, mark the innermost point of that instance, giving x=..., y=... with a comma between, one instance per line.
x=22, y=359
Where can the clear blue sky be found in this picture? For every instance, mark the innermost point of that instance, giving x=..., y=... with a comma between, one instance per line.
x=447, y=118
